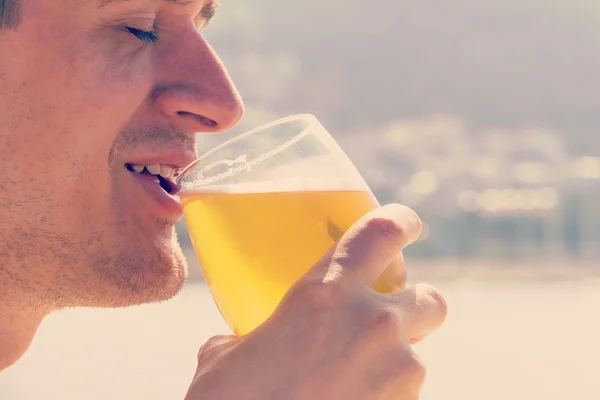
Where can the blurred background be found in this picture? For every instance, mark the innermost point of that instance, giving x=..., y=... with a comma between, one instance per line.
x=483, y=117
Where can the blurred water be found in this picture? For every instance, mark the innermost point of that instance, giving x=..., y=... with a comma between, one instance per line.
x=504, y=340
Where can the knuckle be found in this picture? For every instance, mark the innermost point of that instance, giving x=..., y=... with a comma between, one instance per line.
x=201, y=352
x=413, y=369
x=318, y=294
x=204, y=349
x=383, y=324
x=212, y=345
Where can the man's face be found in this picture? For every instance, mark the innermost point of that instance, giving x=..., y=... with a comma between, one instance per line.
x=91, y=91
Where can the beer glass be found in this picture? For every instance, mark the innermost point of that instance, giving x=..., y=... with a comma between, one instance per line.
x=264, y=207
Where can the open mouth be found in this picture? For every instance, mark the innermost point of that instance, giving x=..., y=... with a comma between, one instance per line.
x=165, y=175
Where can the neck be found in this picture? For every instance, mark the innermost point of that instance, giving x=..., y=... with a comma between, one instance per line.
x=20, y=316
x=17, y=329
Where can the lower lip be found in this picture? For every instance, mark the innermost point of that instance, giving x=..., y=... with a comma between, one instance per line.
x=170, y=203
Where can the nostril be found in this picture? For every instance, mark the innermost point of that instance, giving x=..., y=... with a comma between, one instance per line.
x=201, y=118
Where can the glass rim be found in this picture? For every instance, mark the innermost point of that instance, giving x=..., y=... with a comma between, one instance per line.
x=310, y=117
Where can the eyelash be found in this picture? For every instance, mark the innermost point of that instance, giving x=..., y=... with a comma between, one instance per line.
x=144, y=36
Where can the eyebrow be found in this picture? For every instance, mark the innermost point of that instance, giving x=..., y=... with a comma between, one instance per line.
x=207, y=12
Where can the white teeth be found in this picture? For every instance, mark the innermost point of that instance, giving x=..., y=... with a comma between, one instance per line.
x=166, y=171
x=154, y=169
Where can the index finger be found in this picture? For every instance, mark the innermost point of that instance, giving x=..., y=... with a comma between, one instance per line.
x=374, y=242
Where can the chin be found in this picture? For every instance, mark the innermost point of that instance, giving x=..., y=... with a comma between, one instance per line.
x=138, y=276
x=152, y=287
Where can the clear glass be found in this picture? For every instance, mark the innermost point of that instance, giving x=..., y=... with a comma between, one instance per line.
x=264, y=207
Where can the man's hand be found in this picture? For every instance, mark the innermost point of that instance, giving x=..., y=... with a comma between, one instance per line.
x=333, y=337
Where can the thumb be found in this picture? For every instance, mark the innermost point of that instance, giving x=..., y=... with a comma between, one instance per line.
x=373, y=243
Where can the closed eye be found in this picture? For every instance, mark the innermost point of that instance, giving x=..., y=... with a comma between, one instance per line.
x=144, y=36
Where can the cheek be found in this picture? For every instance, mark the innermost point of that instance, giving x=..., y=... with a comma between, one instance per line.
x=73, y=97
x=69, y=97
x=87, y=83
x=59, y=201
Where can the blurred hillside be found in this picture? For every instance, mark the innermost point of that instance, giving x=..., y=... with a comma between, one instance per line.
x=511, y=64
x=482, y=116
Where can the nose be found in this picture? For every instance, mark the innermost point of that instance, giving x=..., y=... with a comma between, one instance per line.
x=193, y=88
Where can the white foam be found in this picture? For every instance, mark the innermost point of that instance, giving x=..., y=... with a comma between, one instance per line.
x=320, y=174
x=281, y=185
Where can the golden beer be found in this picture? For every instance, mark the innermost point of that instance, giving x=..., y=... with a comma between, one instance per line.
x=253, y=245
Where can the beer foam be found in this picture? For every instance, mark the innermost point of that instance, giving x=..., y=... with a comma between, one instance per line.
x=281, y=185
x=319, y=174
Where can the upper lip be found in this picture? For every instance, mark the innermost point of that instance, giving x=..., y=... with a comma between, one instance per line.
x=176, y=158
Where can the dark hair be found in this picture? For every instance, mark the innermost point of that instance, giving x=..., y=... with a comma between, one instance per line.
x=9, y=13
